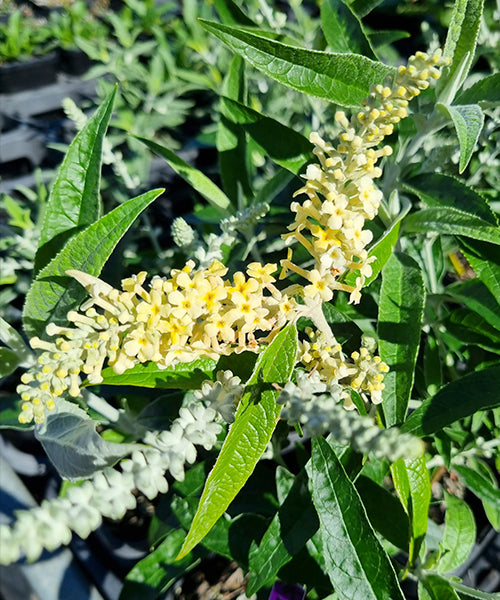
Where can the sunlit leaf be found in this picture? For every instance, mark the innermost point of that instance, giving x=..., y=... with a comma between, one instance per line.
x=54, y=293
x=74, y=201
x=341, y=78
x=248, y=436
x=459, y=534
x=181, y=376
x=413, y=487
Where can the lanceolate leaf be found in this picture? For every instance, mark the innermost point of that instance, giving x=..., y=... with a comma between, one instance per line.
x=155, y=573
x=480, y=485
x=74, y=200
x=247, y=439
x=54, y=293
x=459, y=534
x=462, y=35
x=294, y=524
x=468, y=120
x=343, y=29
x=385, y=512
x=486, y=90
x=196, y=179
x=182, y=376
x=341, y=78
x=485, y=260
x=231, y=14
x=459, y=399
x=471, y=328
x=437, y=190
x=364, y=7
x=452, y=222
x=400, y=319
x=231, y=138
x=413, y=487
x=476, y=296
x=357, y=565
x=285, y=146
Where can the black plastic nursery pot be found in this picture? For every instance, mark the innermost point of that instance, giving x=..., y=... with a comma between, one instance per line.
x=30, y=74
x=73, y=61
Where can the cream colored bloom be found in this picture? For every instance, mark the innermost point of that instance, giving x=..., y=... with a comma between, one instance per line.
x=340, y=189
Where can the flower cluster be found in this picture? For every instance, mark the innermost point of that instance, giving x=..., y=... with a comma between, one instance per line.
x=110, y=492
x=192, y=314
x=341, y=195
x=317, y=407
x=364, y=374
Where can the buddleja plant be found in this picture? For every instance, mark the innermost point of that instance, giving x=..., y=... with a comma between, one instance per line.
x=267, y=347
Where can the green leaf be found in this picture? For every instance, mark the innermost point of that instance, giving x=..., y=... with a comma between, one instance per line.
x=155, y=573
x=401, y=308
x=74, y=199
x=459, y=534
x=386, y=37
x=54, y=293
x=456, y=400
x=468, y=120
x=485, y=260
x=217, y=539
x=196, y=179
x=231, y=14
x=343, y=29
x=467, y=593
x=476, y=296
x=182, y=376
x=9, y=361
x=385, y=512
x=295, y=523
x=364, y=7
x=70, y=439
x=452, y=222
x=341, y=78
x=357, y=565
x=248, y=436
x=492, y=511
x=486, y=90
x=435, y=587
x=231, y=139
x=283, y=145
x=12, y=338
x=413, y=487
x=471, y=328
x=437, y=190
x=462, y=35
x=482, y=487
